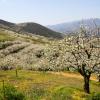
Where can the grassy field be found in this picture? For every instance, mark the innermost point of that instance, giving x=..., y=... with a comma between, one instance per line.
x=49, y=85
x=5, y=37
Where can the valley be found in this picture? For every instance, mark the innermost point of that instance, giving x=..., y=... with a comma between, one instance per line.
x=46, y=67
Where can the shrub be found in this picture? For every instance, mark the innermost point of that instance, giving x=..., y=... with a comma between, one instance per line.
x=94, y=96
x=62, y=93
x=6, y=68
x=11, y=93
x=37, y=92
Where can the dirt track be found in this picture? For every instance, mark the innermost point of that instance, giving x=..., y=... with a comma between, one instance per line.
x=73, y=75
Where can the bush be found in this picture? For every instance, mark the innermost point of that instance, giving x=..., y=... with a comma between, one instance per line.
x=37, y=92
x=6, y=68
x=62, y=93
x=94, y=96
x=11, y=93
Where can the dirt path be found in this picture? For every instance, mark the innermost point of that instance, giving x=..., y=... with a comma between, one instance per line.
x=73, y=75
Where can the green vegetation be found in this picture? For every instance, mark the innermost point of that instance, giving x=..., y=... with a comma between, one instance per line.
x=5, y=37
x=49, y=85
x=8, y=92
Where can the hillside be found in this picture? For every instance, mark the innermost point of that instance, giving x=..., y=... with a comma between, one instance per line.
x=19, y=50
x=75, y=25
x=30, y=28
x=25, y=68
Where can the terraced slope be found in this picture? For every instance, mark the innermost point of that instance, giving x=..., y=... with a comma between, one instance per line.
x=18, y=50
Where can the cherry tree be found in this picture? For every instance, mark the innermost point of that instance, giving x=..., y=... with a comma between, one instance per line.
x=81, y=52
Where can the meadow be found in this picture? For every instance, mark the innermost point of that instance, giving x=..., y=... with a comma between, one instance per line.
x=37, y=85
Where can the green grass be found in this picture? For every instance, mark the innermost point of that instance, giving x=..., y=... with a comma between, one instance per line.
x=5, y=37
x=8, y=36
x=47, y=85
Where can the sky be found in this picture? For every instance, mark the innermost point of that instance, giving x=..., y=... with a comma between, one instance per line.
x=48, y=12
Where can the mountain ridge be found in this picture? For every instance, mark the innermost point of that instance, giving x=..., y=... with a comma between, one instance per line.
x=73, y=26
x=30, y=28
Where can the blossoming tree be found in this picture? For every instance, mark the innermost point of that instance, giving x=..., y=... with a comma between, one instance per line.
x=79, y=52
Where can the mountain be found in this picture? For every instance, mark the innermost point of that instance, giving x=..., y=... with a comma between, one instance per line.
x=30, y=28
x=75, y=25
x=6, y=24
x=38, y=30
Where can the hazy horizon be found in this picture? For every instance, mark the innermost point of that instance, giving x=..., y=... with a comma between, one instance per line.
x=48, y=12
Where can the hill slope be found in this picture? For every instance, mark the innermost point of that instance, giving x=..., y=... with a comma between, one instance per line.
x=30, y=28
x=38, y=30
x=19, y=50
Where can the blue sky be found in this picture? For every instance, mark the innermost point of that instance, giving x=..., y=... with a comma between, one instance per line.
x=48, y=12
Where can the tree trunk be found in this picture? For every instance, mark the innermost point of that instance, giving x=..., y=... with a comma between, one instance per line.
x=86, y=84
x=99, y=78
x=16, y=73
